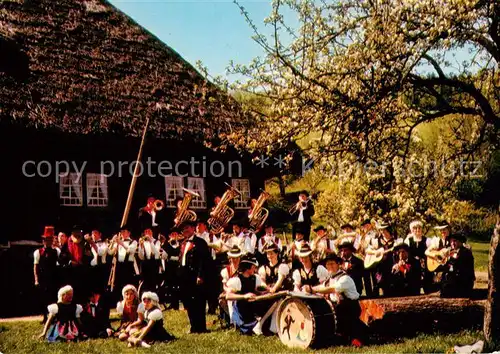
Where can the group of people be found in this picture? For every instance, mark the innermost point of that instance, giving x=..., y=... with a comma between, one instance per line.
x=228, y=272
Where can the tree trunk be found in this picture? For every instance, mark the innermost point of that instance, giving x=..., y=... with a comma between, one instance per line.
x=406, y=316
x=281, y=182
x=492, y=309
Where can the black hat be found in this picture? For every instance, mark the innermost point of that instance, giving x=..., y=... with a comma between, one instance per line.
x=187, y=223
x=319, y=228
x=332, y=257
x=306, y=193
x=271, y=247
x=347, y=225
x=237, y=222
x=267, y=224
x=249, y=260
x=76, y=228
x=346, y=244
x=459, y=236
x=366, y=222
x=124, y=228
x=400, y=244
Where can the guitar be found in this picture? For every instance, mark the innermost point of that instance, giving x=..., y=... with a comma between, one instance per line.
x=437, y=258
x=372, y=259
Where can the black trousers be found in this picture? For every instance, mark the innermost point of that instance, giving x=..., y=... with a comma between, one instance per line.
x=150, y=275
x=47, y=294
x=349, y=324
x=124, y=275
x=194, y=300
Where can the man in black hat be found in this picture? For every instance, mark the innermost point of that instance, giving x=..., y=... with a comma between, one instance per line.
x=302, y=213
x=352, y=265
x=345, y=298
x=127, y=270
x=458, y=275
x=44, y=270
x=322, y=245
x=195, y=267
x=406, y=272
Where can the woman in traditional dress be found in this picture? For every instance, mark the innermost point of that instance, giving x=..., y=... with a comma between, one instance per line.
x=153, y=330
x=63, y=322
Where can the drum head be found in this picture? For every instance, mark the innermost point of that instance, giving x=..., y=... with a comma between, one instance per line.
x=296, y=323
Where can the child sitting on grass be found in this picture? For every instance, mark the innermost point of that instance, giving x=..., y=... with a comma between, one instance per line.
x=63, y=322
x=152, y=329
x=131, y=312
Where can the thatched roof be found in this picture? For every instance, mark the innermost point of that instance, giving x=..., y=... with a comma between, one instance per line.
x=83, y=66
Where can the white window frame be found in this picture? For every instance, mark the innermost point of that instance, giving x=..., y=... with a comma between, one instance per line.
x=243, y=185
x=73, y=181
x=102, y=199
x=177, y=183
x=197, y=203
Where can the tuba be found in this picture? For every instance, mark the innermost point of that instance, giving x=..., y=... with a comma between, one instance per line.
x=259, y=214
x=222, y=213
x=183, y=214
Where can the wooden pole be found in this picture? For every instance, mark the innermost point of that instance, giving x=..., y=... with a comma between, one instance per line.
x=111, y=281
x=134, y=177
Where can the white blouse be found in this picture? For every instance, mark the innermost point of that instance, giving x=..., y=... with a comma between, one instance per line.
x=154, y=315
x=235, y=283
x=321, y=273
x=283, y=271
x=345, y=286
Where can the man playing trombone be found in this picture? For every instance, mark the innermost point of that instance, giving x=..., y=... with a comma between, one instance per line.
x=302, y=213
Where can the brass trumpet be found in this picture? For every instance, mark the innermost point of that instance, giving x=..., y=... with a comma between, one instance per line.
x=158, y=205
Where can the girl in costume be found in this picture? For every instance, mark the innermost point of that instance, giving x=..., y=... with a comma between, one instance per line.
x=63, y=322
x=152, y=329
x=131, y=312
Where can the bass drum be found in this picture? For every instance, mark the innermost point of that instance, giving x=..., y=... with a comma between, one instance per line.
x=306, y=321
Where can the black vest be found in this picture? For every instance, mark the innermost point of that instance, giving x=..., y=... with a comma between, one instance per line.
x=417, y=250
x=248, y=285
x=272, y=273
x=48, y=262
x=310, y=278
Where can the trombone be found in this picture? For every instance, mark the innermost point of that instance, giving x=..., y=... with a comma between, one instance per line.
x=300, y=205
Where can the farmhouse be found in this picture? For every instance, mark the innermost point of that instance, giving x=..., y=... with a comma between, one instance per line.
x=78, y=80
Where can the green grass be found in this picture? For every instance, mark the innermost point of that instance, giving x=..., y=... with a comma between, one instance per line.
x=480, y=250
x=19, y=337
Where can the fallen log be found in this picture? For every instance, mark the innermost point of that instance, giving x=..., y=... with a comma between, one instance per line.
x=406, y=316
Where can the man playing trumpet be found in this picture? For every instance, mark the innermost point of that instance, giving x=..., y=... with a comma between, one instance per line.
x=150, y=255
x=302, y=212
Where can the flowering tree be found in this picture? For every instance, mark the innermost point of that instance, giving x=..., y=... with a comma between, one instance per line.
x=364, y=76
x=353, y=72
